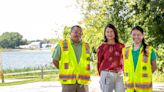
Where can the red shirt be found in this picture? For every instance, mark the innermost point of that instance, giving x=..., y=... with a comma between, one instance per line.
x=110, y=57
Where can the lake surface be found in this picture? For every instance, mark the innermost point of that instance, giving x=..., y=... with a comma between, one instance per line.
x=25, y=58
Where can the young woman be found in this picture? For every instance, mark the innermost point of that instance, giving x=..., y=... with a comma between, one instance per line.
x=139, y=63
x=110, y=66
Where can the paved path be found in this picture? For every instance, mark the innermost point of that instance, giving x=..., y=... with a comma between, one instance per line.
x=56, y=87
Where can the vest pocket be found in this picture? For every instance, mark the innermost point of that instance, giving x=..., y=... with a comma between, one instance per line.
x=144, y=75
x=66, y=65
x=88, y=67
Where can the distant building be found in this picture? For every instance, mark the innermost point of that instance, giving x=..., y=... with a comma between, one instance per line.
x=47, y=45
x=24, y=46
x=35, y=45
x=32, y=45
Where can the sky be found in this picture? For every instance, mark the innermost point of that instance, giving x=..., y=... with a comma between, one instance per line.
x=38, y=19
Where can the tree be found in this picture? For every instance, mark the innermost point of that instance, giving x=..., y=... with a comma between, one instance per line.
x=10, y=40
x=150, y=15
x=98, y=13
x=66, y=32
x=124, y=14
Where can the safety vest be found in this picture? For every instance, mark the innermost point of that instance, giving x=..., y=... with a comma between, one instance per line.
x=141, y=78
x=71, y=72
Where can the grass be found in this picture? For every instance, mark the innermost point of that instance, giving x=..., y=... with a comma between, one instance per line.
x=46, y=78
x=31, y=77
x=26, y=69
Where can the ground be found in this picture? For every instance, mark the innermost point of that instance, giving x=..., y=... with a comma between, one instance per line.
x=56, y=87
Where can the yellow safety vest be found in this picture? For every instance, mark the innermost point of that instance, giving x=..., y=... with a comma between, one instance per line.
x=141, y=78
x=71, y=72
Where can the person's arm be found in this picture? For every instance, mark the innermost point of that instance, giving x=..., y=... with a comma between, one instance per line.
x=153, y=61
x=99, y=58
x=56, y=56
x=56, y=63
x=121, y=58
x=154, y=66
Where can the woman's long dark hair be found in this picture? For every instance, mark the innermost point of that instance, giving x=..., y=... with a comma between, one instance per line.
x=143, y=40
x=115, y=32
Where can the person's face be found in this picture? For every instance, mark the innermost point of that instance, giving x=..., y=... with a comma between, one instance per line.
x=109, y=33
x=137, y=36
x=76, y=34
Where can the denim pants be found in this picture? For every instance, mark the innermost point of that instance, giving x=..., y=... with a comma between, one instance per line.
x=110, y=81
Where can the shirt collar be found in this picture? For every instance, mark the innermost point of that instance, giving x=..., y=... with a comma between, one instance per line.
x=138, y=48
x=80, y=42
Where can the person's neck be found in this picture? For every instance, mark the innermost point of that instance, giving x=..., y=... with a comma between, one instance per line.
x=137, y=46
x=75, y=42
x=111, y=42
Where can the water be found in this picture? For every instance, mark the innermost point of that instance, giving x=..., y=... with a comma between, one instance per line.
x=25, y=58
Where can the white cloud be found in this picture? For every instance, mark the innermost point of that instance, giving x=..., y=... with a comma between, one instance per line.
x=37, y=19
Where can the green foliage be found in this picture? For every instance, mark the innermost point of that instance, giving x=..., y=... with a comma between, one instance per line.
x=66, y=32
x=124, y=14
x=11, y=40
x=160, y=61
x=158, y=77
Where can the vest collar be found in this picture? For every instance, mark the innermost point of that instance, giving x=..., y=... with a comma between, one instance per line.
x=80, y=42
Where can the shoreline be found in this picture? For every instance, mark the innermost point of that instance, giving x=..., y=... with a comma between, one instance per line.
x=24, y=49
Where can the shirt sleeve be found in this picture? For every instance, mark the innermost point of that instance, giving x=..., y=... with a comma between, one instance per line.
x=99, y=58
x=121, y=58
x=153, y=56
x=57, y=53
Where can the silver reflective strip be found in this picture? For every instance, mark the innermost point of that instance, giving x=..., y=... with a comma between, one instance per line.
x=67, y=76
x=84, y=77
x=127, y=53
x=129, y=85
x=144, y=85
x=145, y=58
x=87, y=48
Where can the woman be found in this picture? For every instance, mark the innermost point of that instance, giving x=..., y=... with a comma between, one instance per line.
x=139, y=63
x=110, y=66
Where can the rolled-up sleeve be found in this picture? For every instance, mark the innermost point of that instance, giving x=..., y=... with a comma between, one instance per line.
x=57, y=53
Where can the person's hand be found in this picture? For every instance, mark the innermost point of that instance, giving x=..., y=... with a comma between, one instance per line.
x=120, y=73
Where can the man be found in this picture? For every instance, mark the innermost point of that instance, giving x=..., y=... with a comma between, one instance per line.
x=72, y=58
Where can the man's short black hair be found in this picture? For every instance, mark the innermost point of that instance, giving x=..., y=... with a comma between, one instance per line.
x=75, y=26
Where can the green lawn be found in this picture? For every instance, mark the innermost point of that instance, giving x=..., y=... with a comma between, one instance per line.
x=46, y=78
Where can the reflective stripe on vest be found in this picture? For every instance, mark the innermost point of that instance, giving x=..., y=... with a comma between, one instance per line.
x=139, y=85
x=87, y=48
x=67, y=76
x=144, y=86
x=127, y=53
x=84, y=77
x=65, y=45
x=129, y=85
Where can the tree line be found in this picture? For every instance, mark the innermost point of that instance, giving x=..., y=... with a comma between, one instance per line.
x=14, y=40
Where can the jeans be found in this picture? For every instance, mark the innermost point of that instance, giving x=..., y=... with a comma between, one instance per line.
x=110, y=81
